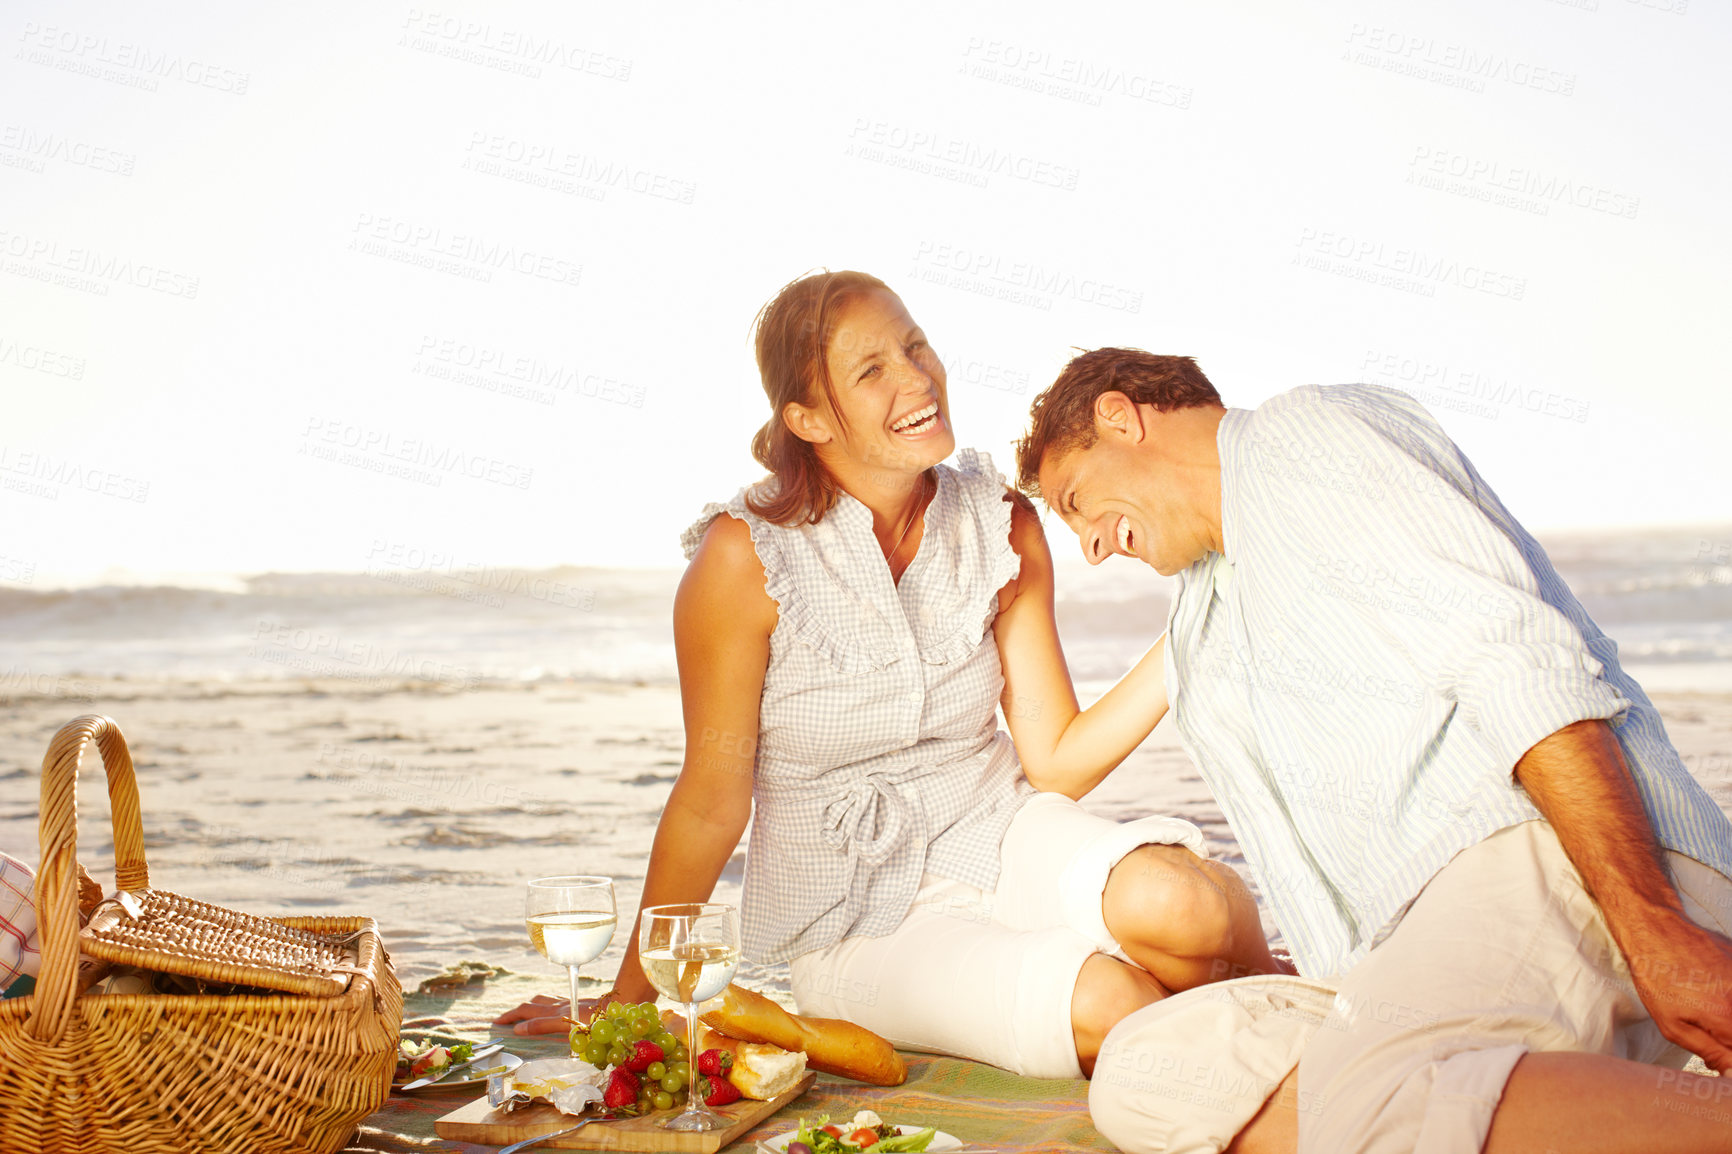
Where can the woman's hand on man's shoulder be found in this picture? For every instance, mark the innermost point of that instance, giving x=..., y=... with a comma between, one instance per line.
x=1028, y=538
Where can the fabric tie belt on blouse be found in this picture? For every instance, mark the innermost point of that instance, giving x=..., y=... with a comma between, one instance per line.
x=851, y=817
x=869, y=821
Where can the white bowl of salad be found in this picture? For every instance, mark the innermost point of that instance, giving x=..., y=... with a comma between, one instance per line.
x=867, y=1132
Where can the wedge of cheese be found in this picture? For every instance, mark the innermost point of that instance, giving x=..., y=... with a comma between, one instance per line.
x=762, y=1071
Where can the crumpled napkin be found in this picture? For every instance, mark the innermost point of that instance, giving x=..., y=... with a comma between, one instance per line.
x=570, y=1084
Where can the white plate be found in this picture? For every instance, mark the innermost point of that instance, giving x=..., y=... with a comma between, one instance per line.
x=940, y=1140
x=467, y=1078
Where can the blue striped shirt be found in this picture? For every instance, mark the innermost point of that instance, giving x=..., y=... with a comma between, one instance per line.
x=1358, y=671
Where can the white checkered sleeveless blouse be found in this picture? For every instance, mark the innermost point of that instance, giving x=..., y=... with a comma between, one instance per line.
x=879, y=754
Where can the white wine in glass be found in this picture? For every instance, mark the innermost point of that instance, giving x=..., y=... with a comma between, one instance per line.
x=571, y=921
x=689, y=953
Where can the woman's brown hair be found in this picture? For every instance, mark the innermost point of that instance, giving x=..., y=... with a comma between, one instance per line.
x=792, y=339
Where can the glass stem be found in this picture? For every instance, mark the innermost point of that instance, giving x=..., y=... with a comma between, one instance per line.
x=573, y=971
x=695, y=1098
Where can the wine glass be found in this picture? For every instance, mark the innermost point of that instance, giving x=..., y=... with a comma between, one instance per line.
x=689, y=953
x=571, y=921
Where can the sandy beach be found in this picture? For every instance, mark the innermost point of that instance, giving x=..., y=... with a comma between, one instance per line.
x=428, y=807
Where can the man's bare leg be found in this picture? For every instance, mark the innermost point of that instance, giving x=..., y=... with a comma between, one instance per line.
x=1563, y=1102
x=1275, y=1129
x=1595, y=1104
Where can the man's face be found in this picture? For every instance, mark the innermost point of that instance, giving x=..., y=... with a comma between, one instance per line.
x=1116, y=501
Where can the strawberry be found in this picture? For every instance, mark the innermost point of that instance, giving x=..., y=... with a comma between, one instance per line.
x=715, y=1063
x=642, y=1055
x=621, y=1089
x=718, y=1091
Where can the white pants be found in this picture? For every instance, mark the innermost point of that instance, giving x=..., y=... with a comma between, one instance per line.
x=990, y=976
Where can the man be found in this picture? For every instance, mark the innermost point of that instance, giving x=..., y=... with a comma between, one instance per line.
x=1465, y=817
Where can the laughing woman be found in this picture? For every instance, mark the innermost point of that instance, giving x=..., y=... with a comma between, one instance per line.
x=846, y=632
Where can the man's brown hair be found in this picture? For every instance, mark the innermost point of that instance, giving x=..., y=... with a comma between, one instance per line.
x=1062, y=419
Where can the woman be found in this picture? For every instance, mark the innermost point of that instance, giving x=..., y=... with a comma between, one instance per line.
x=845, y=633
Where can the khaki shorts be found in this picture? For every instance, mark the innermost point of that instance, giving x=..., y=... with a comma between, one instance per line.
x=990, y=976
x=1503, y=953
x=1184, y=1075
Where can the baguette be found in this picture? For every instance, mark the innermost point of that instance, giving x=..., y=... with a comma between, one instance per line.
x=831, y=1045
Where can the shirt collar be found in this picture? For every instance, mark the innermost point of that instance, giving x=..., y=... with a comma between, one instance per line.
x=1227, y=440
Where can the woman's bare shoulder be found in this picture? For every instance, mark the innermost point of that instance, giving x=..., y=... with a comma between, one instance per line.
x=726, y=574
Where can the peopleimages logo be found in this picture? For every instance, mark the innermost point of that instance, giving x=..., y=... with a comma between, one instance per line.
x=1513, y=186
x=1067, y=77
x=1400, y=266
x=1468, y=390
x=547, y=164
x=44, y=475
x=507, y=49
x=38, y=148
x=467, y=254
x=123, y=62
x=513, y=372
x=881, y=140
x=89, y=269
x=41, y=360
x=1454, y=65
x=1016, y=281
x=381, y=450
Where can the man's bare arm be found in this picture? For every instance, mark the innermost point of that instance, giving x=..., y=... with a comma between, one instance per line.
x=1578, y=779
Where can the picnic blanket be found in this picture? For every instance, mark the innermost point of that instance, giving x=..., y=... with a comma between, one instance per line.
x=980, y=1104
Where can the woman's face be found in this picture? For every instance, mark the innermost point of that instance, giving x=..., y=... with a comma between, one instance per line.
x=889, y=389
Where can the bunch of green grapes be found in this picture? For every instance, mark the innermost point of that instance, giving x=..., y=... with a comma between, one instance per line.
x=612, y=1041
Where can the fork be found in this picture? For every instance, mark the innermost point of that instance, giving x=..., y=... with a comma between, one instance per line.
x=528, y=1142
x=766, y=1147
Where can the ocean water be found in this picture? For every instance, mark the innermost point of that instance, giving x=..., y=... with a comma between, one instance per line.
x=1665, y=596
x=378, y=792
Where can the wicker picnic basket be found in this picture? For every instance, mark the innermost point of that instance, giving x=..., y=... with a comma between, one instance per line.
x=291, y=1070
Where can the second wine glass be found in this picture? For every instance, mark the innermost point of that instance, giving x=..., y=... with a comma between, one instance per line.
x=689, y=953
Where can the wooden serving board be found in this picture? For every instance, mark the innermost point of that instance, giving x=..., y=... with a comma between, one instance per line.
x=480, y=1123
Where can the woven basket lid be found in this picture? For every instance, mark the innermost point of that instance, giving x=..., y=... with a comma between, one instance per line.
x=158, y=930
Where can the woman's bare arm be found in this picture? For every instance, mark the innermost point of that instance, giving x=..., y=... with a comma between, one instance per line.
x=723, y=619
x=1064, y=749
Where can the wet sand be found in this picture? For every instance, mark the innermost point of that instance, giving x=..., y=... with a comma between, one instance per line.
x=428, y=808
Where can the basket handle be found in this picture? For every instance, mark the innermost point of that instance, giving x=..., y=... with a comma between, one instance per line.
x=57, y=874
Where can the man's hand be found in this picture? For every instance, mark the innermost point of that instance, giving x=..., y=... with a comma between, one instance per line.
x=1684, y=976
x=544, y=1014
x=1578, y=779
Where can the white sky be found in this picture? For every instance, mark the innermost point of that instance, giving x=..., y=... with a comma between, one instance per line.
x=304, y=162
